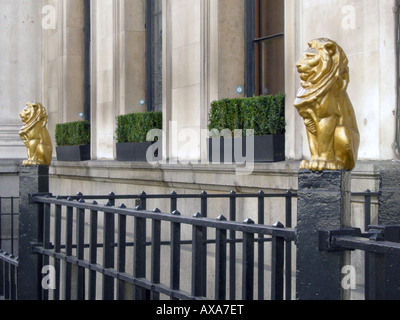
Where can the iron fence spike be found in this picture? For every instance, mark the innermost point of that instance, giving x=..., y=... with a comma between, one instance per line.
x=249, y=221
x=221, y=218
x=278, y=224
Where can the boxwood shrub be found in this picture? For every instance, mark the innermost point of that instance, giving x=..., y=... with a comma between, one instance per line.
x=264, y=114
x=73, y=133
x=134, y=127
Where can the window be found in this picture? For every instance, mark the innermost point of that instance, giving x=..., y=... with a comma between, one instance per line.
x=397, y=142
x=265, y=47
x=87, y=83
x=154, y=55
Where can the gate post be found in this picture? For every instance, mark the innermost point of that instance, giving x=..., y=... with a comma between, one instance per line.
x=324, y=201
x=389, y=215
x=33, y=179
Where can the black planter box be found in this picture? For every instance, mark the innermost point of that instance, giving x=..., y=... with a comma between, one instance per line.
x=73, y=153
x=268, y=148
x=135, y=151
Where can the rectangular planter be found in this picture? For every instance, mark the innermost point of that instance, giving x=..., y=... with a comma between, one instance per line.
x=268, y=148
x=135, y=152
x=73, y=153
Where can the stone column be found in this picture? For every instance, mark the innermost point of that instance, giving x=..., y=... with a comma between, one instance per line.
x=33, y=179
x=389, y=215
x=323, y=203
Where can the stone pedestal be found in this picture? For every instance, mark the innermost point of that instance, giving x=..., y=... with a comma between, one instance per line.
x=33, y=179
x=389, y=215
x=323, y=203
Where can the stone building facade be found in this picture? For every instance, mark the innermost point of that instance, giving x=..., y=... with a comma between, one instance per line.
x=99, y=59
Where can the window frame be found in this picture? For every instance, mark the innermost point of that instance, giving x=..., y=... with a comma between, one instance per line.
x=252, y=38
x=149, y=58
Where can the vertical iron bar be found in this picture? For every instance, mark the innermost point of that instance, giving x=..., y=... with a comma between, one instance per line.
x=6, y=280
x=174, y=199
x=108, y=254
x=68, y=252
x=46, y=242
x=203, y=271
x=121, y=253
x=198, y=280
x=261, y=247
x=175, y=253
x=288, y=252
x=220, y=262
x=1, y=218
x=57, y=249
x=80, y=241
x=93, y=252
x=376, y=288
x=248, y=264
x=278, y=252
x=13, y=285
x=140, y=256
x=12, y=224
x=367, y=222
x=232, y=248
x=1, y=251
x=155, y=254
x=143, y=202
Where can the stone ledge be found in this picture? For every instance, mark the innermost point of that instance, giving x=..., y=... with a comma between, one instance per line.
x=10, y=165
x=266, y=176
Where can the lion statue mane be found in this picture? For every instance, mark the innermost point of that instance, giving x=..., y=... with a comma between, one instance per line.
x=35, y=135
x=324, y=104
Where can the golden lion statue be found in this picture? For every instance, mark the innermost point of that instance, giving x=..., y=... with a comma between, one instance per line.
x=35, y=135
x=323, y=103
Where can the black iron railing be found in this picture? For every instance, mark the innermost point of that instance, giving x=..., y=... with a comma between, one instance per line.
x=71, y=235
x=114, y=248
x=381, y=245
x=8, y=247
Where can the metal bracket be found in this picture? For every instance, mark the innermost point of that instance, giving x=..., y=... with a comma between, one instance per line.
x=34, y=245
x=325, y=237
x=40, y=194
x=384, y=233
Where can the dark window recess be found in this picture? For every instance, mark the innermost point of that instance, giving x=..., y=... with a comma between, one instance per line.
x=265, y=47
x=154, y=55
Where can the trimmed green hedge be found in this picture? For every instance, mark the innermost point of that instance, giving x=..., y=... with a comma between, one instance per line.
x=73, y=133
x=134, y=127
x=264, y=114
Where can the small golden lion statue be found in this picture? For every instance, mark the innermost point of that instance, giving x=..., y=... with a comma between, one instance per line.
x=324, y=104
x=35, y=135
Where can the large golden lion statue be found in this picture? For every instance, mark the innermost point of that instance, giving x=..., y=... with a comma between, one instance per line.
x=323, y=103
x=35, y=135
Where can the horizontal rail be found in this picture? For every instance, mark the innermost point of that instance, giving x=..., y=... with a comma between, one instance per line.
x=180, y=196
x=179, y=294
x=6, y=257
x=288, y=193
x=365, y=244
x=287, y=233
